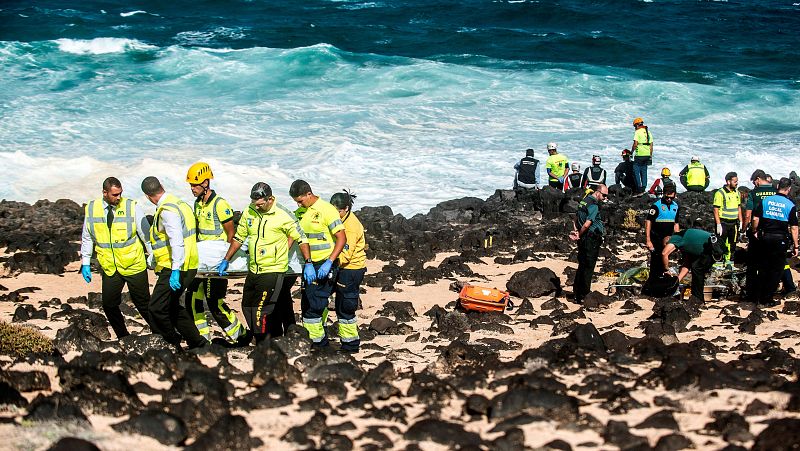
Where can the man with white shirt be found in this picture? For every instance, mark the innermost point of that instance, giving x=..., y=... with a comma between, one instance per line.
x=115, y=227
x=174, y=243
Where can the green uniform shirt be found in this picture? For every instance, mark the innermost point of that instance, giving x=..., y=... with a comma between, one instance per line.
x=691, y=241
x=757, y=195
x=588, y=210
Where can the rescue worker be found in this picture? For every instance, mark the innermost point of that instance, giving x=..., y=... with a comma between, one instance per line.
x=556, y=166
x=642, y=148
x=699, y=250
x=594, y=175
x=623, y=173
x=174, y=242
x=114, y=227
x=728, y=215
x=658, y=185
x=326, y=237
x=588, y=232
x=661, y=223
x=775, y=228
x=573, y=180
x=527, y=172
x=694, y=176
x=214, y=217
x=761, y=190
x=352, y=267
x=269, y=229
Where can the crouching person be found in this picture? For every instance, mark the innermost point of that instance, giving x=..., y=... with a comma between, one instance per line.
x=352, y=267
x=699, y=250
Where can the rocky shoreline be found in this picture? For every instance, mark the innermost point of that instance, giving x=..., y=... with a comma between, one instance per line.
x=623, y=371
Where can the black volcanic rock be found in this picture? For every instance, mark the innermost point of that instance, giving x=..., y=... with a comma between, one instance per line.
x=92, y=322
x=402, y=311
x=75, y=338
x=673, y=442
x=443, y=432
x=99, y=391
x=56, y=407
x=617, y=433
x=11, y=396
x=586, y=336
x=731, y=425
x=73, y=444
x=663, y=419
x=552, y=405
x=378, y=382
x=533, y=283
x=597, y=301
x=229, y=433
x=270, y=362
x=164, y=427
x=780, y=435
x=26, y=381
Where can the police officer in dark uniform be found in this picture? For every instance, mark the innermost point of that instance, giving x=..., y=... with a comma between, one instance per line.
x=588, y=232
x=762, y=189
x=527, y=175
x=774, y=225
x=699, y=250
x=660, y=224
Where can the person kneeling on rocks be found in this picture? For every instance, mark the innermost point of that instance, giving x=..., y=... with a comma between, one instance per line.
x=588, y=232
x=699, y=250
x=527, y=172
x=269, y=229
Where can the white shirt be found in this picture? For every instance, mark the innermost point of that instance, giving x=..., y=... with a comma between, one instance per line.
x=170, y=224
x=142, y=230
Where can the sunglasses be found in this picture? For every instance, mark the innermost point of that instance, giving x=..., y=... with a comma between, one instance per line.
x=260, y=193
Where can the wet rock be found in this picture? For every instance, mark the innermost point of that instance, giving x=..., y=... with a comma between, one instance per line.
x=663, y=419
x=11, y=396
x=673, y=442
x=596, y=301
x=378, y=382
x=56, y=407
x=783, y=434
x=381, y=325
x=26, y=381
x=229, y=433
x=164, y=427
x=731, y=425
x=73, y=444
x=617, y=433
x=402, y=311
x=442, y=432
x=74, y=338
x=99, y=391
x=540, y=402
x=534, y=282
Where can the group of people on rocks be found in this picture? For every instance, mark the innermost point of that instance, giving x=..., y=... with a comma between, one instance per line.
x=320, y=242
x=767, y=215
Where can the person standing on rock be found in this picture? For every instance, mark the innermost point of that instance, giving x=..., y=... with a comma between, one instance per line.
x=661, y=223
x=114, y=227
x=699, y=250
x=174, y=242
x=556, y=166
x=214, y=217
x=762, y=188
x=352, y=267
x=642, y=148
x=527, y=172
x=727, y=214
x=326, y=237
x=775, y=228
x=588, y=232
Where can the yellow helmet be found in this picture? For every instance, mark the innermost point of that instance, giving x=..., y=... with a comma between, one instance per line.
x=665, y=172
x=198, y=172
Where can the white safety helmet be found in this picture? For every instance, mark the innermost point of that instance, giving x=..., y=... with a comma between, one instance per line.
x=551, y=146
x=576, y=167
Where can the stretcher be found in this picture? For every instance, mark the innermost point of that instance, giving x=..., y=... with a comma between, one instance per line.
x=215, y=275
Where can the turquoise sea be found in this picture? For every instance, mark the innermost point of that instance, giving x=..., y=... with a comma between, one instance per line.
x=407, y=103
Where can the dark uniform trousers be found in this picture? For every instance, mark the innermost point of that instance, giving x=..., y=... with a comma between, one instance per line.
x=138, y=287
x=259, y=299
x=699, y=266
x=656, y=260
x=588, y=251
x=215, y=291
x=283, y=316
x=730, y=235
x=771, y=265
x=169, y=316
x=315, y=297
x=754, y=259
x=348, y=284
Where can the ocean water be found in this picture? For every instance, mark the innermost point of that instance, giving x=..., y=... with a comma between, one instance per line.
x=405, y=102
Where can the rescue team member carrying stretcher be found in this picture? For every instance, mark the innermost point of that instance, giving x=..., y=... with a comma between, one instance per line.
x=269, y=229
x=326, y=237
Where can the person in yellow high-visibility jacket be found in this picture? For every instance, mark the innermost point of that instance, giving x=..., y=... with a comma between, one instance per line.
x=694, y=176
x=326, y=238
x=114, y=229
x=352, y=267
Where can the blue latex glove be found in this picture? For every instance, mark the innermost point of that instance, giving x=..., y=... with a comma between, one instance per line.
x=86, y=272
x=309, y=274
x=222, y=267
x=323, y=270
x=175, y=280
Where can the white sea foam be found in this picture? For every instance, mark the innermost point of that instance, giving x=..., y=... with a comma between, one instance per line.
x=132, y=13
x=99, y=46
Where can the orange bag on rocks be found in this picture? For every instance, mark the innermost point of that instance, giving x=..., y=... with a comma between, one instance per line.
x=483, y=299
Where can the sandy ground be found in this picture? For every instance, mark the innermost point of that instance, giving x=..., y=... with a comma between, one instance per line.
x=271, y=424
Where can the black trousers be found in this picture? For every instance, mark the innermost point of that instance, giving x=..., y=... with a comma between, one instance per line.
x=283, y=315
x=169, y=316
x=259, y=298
x=771, y=267
x=555, y=184
x=699, y=266
x=753, y=261
x=138, y=287
x=656, y=260
x=588, y=251
x=730, y=235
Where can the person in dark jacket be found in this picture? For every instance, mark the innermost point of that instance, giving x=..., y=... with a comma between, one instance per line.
x=594, y=175
x=527, y=172
x=623, y=174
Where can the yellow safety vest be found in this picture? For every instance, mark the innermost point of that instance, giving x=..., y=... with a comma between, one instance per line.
x=354, y=255
x=162, y=251
x=210, y=217
x=696, y=175
x=320, y=222
x=643, y=139
x=119, y=248
x=267, y=238
x=728, y=203
x=558, y=166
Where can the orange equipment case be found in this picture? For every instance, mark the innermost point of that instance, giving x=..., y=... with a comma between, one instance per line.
x=483, y=299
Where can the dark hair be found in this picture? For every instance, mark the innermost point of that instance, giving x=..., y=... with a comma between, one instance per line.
x=299, y=187
x=110, y=182
x=730, y=176
x=151, y=186
x=260, y=190
x=784, y=183
x=758, y=174
x=343, y=200
x=669, y=188
x=528, y=152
